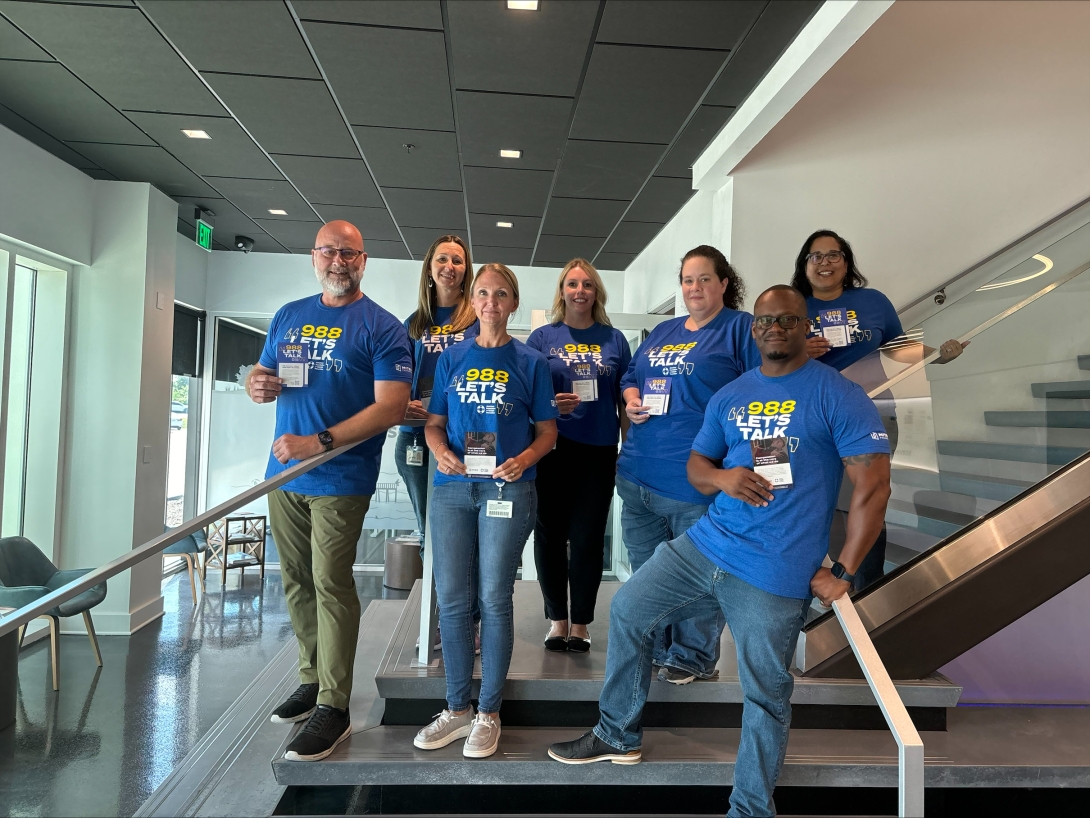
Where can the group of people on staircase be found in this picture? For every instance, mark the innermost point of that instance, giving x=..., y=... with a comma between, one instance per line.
x=735, y=431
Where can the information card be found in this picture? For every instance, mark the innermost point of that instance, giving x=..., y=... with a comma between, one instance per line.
x=291, y=364
x=834, y=327
x=656, y=395
x=772, y=461
x=480, y=454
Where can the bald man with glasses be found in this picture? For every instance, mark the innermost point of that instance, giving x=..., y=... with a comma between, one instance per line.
x=339, y=367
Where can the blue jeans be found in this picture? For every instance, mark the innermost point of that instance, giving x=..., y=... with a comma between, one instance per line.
x=475, y=559
x=680, y=582
x=647, y=520
x=415, y=477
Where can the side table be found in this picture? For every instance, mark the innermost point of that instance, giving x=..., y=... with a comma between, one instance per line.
x=245, y=534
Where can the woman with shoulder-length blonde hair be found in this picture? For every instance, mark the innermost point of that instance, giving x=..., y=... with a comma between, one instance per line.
x=444, y=315
x=587, y=358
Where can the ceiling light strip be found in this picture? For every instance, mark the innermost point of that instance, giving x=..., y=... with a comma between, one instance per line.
x=344, y=119
x=449, y=49
x=681, y=130
x=571, y=122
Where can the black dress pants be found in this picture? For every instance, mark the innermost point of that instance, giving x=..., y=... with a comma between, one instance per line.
x=574, y=491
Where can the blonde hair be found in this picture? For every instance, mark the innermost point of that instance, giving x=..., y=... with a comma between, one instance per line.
x=505, y=272
x=598, y=311
x=427, y=301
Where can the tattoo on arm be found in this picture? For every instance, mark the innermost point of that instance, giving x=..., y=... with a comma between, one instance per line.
x=862, y=459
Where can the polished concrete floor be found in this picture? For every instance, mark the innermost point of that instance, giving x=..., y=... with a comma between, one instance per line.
x=104, y=742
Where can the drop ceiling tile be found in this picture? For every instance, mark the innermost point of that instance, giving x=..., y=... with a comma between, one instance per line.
x=228, y=222
x=385, y=76
x=521, y=233
x=426, y=208
x=229, y=152
x=255, y=37
x=539, y=52
x=403, y=13
x=263, y=243
x=291, y=233
x=28, y=130
x=14, y=45
x=632, y=237
x=142, y=163
x=760, y=50
x=255, y=197
x=583, y=217
x=421, y=238
x=431, y=163
x=614, y=261
x=661, y=199
x=511, y=256
x=117, y=52
x=534, y=125
x=562, y=249
x=99, y=173
x=605, y=170
x=685, y=23
x=700, y=131
x=286, y=115
x=373, y=222
x=384, y=249
x=507, y=191
x=641, y=94
x=51, y=98
x=331, y=181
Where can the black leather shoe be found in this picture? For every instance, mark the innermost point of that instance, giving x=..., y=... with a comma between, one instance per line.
x=320, y=736
x=298, y=706
x=557, y=644
x=577, y=644
x=588, y=748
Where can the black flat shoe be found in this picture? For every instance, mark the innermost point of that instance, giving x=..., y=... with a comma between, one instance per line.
x=557, y=644
x=577, y=644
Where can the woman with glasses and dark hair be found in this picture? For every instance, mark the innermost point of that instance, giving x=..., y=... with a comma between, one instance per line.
x=673, y=375
x=587, y=358
x=850, y=322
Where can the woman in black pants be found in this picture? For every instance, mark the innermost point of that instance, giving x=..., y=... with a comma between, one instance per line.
x=587, y=358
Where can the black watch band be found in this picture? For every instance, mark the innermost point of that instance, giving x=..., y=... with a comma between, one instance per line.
x=326, y=439
x=840, y=572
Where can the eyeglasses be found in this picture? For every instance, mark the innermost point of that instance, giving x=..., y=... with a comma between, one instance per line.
x=817, y=258
x=785, y=321
x=347, y=253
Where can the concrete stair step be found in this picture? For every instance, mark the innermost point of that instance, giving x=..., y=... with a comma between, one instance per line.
x=1062, y=419
x=972, y=485
x=1018, y=452
x=1076, y=390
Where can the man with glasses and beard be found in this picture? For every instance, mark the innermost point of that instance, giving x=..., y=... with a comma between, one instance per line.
x=340, y=368
x=757, y=553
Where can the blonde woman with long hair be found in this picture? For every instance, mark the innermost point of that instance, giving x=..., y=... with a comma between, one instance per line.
x=587, y=358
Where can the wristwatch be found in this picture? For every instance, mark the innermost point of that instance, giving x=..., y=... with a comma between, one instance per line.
x=838, y=571
x=326, y=439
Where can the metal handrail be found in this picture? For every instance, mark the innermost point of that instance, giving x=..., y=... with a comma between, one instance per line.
x=155, y=547
x=910, y=757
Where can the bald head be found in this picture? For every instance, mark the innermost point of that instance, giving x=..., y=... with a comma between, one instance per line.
x=782, y=291
x=341, y=234
x=339, y=260
x=779, y=345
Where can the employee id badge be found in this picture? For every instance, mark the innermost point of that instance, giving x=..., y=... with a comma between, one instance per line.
x=834, y=327
x=499, y=508
x=414, y=455
x=656, y=395
x=480, y=454
x=291, y=364
x=772, y=461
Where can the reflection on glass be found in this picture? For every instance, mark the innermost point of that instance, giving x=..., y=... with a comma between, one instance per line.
x=18, y=400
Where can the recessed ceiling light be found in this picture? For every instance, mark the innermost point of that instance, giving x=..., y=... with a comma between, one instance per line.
x=510, y=154
x=522, y=5
x=279, y=212
x=504, y=224
x=194, y=134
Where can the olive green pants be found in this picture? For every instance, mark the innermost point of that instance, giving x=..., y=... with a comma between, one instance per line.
x=316, y=538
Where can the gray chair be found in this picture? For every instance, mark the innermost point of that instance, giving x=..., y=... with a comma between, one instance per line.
x=26, y=575
x=190, y=548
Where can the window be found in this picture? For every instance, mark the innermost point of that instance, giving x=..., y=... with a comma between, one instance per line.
x=18, y=400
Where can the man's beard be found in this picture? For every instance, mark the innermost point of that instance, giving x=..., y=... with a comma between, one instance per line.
x=338, y=286
x=778, y=355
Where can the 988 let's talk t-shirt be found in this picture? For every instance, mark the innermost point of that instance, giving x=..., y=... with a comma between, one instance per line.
x=426, y=351
x=871, y=322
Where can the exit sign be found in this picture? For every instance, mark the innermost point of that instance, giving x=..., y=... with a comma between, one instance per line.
x=204, y=235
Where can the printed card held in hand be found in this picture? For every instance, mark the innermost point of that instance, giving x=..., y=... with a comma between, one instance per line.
x=480, y=453
x=834, y=327
x=772, y=461
x=291, y=364
x=656, y=395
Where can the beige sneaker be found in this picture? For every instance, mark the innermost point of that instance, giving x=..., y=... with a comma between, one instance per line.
x=446, y=728
x=484, y=737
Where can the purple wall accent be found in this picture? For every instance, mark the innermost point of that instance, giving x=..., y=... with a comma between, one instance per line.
x=1042, y=658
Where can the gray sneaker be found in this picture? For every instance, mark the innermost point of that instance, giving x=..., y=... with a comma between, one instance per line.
x=446, y=728
x=676, y=676
x=484, y=738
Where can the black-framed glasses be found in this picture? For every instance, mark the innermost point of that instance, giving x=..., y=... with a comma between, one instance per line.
x=817, y=258
x=347, y=253
x=785, y=321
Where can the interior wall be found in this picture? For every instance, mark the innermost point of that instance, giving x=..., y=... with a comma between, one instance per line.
x=190, y=272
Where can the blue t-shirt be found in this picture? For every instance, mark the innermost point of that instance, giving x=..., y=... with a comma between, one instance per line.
x=498, y=390
x=872, y=322
x=598, y=352
x=349, y=348
x=698, y=363
x=426, y=351
x=822, y=417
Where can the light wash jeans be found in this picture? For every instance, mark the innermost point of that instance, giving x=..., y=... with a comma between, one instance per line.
x=679, y=582
x=647, y=520
x=475, y=559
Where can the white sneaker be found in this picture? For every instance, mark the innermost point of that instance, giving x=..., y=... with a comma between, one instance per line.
x=446, y=728
x=484, y=737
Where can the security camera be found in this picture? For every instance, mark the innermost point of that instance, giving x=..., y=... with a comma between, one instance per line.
x=244, y=243
x=940, y=296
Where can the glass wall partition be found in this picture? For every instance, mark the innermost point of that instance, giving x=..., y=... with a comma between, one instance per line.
x=20, y=365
